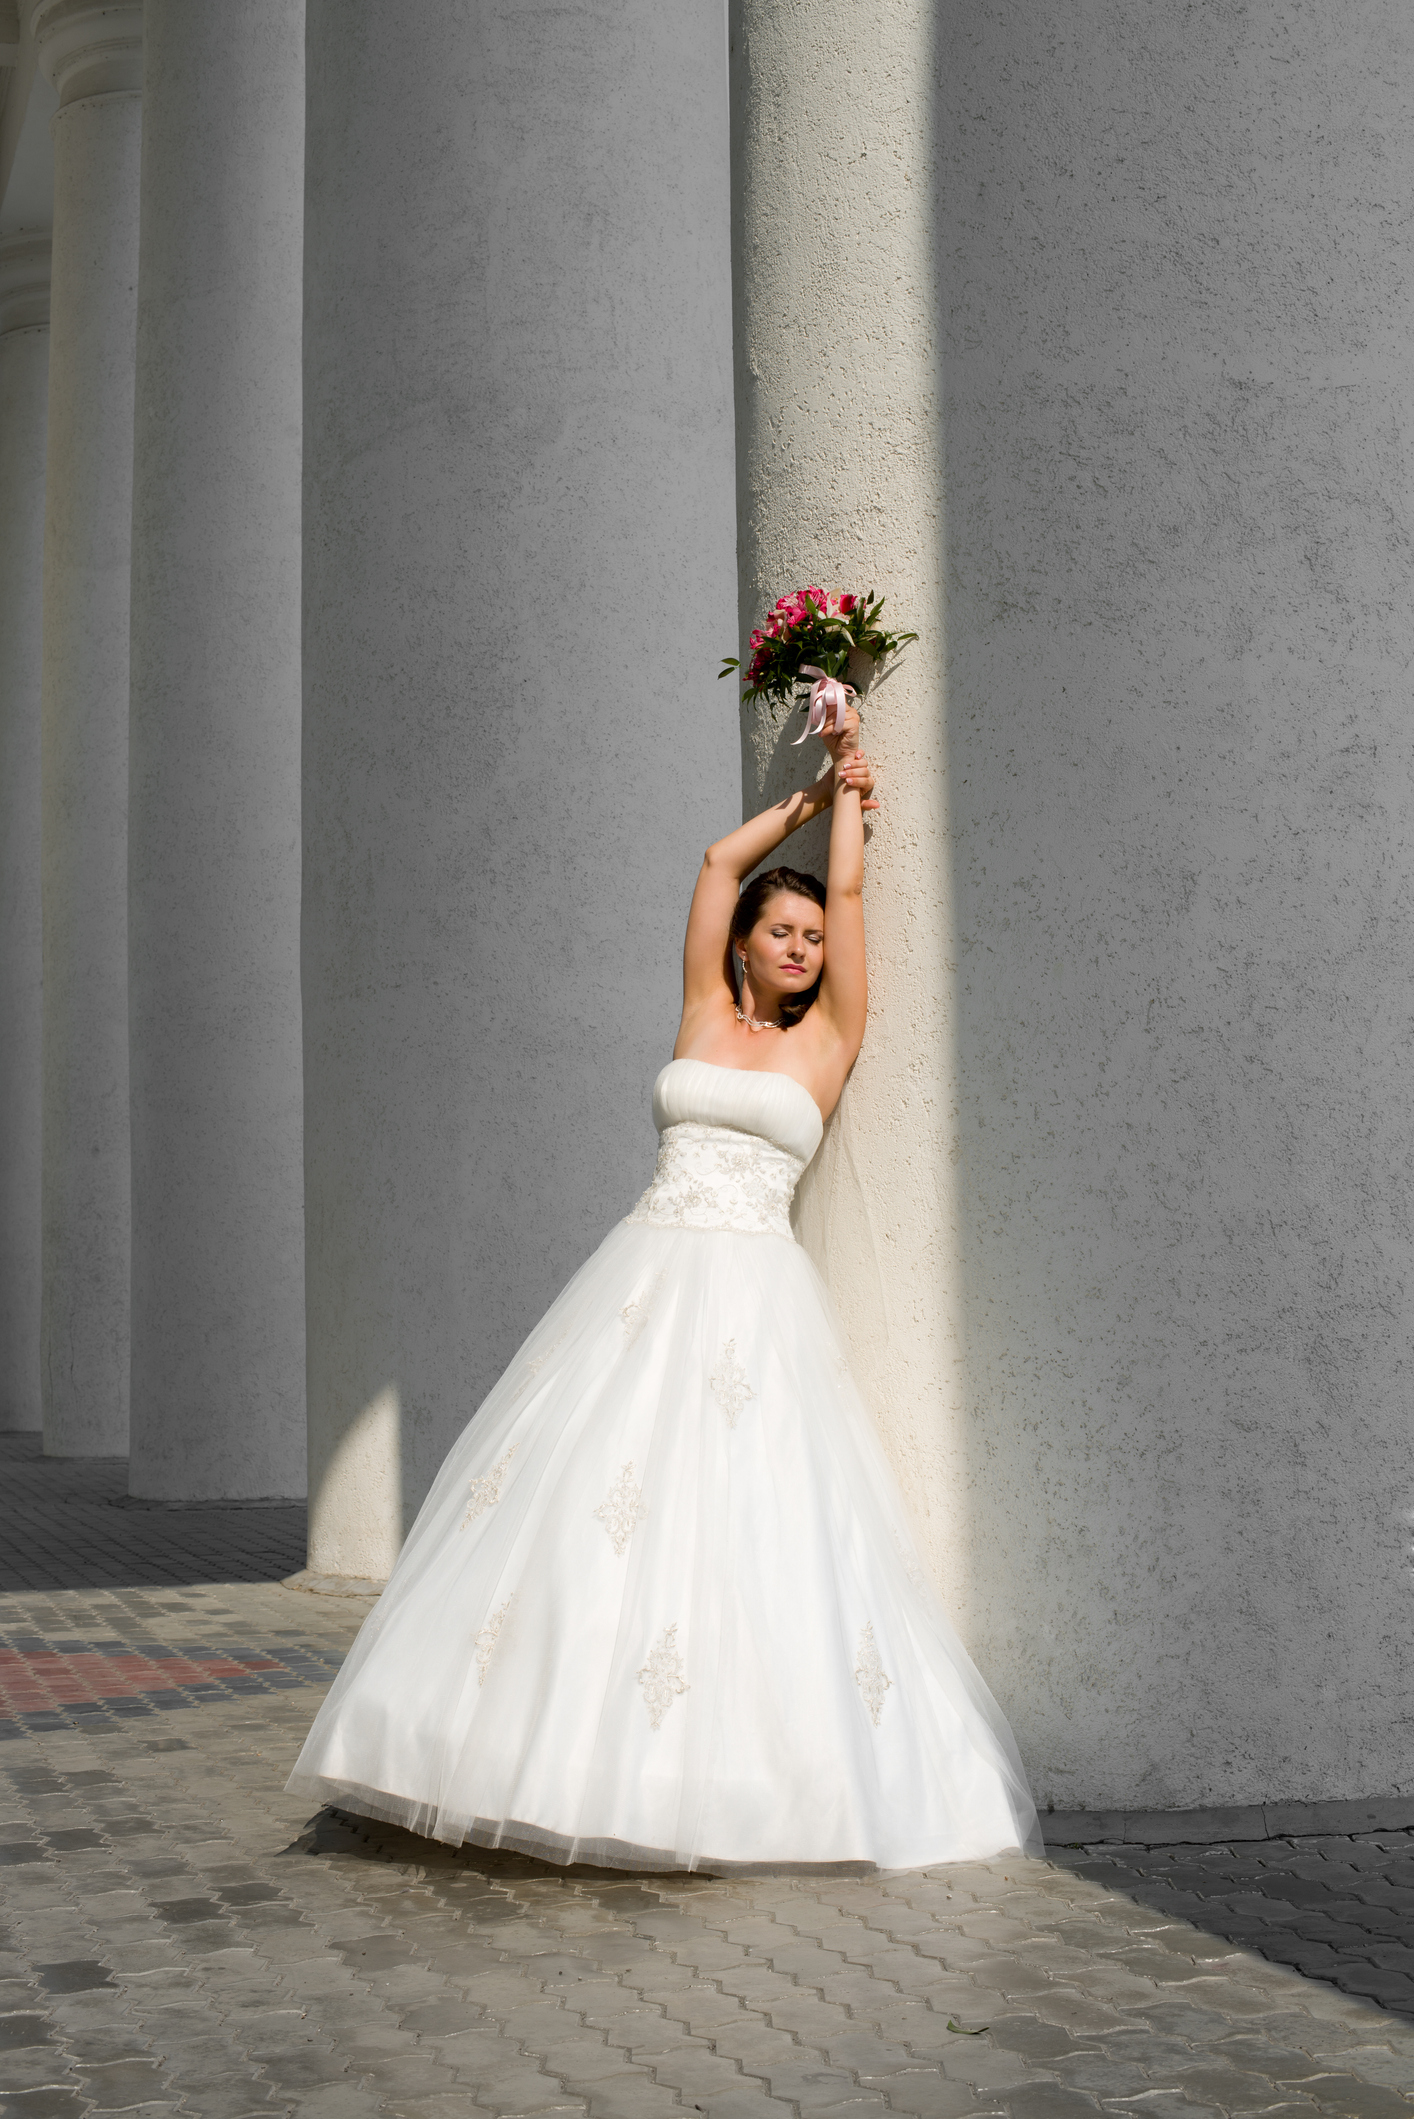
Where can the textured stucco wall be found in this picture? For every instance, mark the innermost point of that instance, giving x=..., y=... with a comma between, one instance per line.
x=518, y=561
x=214, y=759
x=1177, y=260
x=26, y=150
x=839, y=484
x=87, y=544
x=24, y=389
x=1153, y=1283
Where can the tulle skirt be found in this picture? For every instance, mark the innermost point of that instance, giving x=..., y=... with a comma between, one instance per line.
x=662, y=1607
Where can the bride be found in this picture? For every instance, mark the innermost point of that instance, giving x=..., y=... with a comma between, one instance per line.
x=662, y=1607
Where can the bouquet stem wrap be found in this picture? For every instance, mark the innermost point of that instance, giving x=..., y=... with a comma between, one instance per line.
x=827, y=695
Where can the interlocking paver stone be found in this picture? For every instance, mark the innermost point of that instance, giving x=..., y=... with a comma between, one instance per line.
x=183, y=1939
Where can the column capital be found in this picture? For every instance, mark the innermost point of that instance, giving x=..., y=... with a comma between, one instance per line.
x=24, y=280
x=88, y=47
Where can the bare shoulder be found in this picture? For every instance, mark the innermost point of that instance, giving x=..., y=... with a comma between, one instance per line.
x=825, y=1061
x=813, y=1055
x=708, y=1020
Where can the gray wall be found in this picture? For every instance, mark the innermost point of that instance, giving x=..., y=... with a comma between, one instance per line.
x=214, y=760
x=1177, y=261
x=24, y=390
x=518, y=555
x=85, y=1185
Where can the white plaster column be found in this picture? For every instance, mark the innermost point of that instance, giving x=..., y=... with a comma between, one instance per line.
x=92, y=53
x=24, y=390
x=214, y=765
x=840, y=485
x=518, y=567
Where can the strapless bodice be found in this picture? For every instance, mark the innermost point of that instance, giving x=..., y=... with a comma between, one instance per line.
x=732, y=1150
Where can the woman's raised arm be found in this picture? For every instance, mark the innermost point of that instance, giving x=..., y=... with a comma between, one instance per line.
x=844, y=983
x=705, y=968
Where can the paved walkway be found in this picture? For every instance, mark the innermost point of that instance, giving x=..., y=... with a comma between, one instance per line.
x=70, y=1525
x=179, y=1937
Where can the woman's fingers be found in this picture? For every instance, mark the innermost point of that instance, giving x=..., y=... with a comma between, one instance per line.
x=844, y=737
x=855, y=771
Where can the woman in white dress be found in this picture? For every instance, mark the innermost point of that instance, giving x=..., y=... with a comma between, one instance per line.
x=662, y=1607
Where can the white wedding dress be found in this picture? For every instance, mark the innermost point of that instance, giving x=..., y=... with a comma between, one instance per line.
x=662, y=1607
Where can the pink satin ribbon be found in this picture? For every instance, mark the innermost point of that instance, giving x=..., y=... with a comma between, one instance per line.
x=827, y=694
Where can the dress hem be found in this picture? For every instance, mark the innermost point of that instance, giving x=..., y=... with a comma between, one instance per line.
x=558, y=1850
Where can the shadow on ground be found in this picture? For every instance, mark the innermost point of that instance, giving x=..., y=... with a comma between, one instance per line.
x=69, y=1524
x=1334, y=1908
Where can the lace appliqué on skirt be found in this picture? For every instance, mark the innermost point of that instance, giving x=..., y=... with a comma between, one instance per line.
x=912, y=1565
x=485, y=1492
x=535, y=1364
x=662, y=1677
x=729, y=1386
x=870, y=1675
x=634, y=1315
x=622, y=1510
x=713, y=1177
x=486, y=1640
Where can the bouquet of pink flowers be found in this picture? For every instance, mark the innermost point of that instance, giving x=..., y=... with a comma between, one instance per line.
x=811, y=634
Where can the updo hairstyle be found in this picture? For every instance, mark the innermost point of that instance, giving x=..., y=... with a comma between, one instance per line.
x=749, y=908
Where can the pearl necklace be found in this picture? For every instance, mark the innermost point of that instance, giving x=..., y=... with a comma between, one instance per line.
x=752, y=1024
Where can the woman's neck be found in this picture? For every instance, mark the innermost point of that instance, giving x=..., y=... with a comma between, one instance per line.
x=760, y=1008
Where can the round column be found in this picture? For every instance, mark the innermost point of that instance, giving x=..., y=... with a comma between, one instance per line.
x=214, y=818
x=518, y=563
x=93, y=56
x=840, y=485
x=24, y=392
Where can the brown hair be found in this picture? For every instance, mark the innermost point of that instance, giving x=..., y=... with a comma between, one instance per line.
x=749, y=908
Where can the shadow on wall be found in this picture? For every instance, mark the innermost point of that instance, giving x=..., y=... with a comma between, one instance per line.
x=1179, y=769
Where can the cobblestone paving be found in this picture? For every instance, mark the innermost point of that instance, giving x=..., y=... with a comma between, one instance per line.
x=69, y=1524
x=178, y=1936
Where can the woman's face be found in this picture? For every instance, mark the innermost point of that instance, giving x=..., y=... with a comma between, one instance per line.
x=785, y=950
